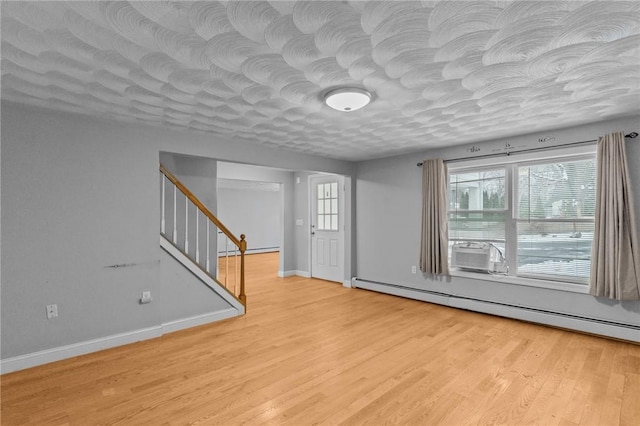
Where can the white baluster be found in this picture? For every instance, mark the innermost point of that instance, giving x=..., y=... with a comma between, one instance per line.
x=186, y=225
x=175, y=216
x=197, y=235
x=235, y=270
x=226, y=260
x=208, y=267
x=162, y=197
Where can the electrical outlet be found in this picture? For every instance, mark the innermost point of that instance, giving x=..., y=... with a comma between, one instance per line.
x=52, y=311
x=146, y=297
x=414, y=270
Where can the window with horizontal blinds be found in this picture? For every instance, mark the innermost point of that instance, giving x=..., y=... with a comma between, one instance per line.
x=538, y=214
x=555, y=218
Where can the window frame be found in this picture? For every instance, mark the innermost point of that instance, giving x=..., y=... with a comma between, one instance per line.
x=511, y=163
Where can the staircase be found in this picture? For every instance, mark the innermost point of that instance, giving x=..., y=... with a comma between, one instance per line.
x=197, y=239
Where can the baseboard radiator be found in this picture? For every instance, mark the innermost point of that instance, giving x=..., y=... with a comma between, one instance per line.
x=616, y=330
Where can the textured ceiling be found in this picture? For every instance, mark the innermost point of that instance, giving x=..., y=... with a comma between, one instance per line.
x=441, y=72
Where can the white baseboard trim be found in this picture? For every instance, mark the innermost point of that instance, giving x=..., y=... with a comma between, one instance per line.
x=346, y=283
x=181, y=324
x=284, y=274
x=47, y=356
x=556, y=319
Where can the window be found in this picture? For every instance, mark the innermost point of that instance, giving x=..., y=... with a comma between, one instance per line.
x=327, y=194
x=531, y=218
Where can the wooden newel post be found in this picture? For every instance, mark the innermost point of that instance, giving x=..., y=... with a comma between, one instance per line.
x=243, y=247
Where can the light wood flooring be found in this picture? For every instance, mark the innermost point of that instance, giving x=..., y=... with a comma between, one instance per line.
x=314, y=352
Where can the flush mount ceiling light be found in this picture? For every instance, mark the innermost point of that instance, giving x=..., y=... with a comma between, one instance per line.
x=347, y=99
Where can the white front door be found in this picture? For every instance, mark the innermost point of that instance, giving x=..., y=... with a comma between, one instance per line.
x=327, y=227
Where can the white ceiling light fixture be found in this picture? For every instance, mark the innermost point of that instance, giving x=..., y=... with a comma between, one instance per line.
x=347, y=99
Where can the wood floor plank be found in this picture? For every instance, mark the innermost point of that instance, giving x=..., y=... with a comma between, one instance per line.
x=313, y=352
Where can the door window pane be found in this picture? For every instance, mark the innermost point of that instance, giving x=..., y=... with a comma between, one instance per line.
x=327, y=194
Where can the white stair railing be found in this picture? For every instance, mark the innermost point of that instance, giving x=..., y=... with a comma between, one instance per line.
x=189, y=239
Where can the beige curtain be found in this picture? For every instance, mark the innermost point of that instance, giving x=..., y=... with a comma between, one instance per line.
x=615, y=260
x=434, y=240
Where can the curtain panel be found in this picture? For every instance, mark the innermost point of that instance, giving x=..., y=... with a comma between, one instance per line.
x=434, y=238
x=615, y=255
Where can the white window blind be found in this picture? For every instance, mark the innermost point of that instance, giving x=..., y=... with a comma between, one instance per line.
x=555, y=218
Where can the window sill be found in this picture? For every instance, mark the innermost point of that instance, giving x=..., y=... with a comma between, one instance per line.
x=529, y=282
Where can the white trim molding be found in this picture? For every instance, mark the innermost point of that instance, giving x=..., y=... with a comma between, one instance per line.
x=181, y=324
x=46, y=356
x=60, y=353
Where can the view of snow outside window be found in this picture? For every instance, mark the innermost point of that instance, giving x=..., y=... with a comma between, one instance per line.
x=552, y=216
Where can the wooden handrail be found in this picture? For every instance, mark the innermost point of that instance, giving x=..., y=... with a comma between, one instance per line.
x=203, y=208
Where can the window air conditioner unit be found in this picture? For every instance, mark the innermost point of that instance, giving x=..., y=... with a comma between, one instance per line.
x=477, y=257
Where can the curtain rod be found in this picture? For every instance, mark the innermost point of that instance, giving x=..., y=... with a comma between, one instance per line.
x=631, y=135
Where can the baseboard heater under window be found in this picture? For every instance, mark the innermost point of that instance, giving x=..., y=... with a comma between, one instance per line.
x=624, y=331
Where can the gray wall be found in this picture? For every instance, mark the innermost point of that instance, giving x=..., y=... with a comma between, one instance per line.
x=80, y=194
x=247, y=172
x=196, y=173
x=182, y=295
x=388, y=227
x=253, y=211
x=78, y=197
